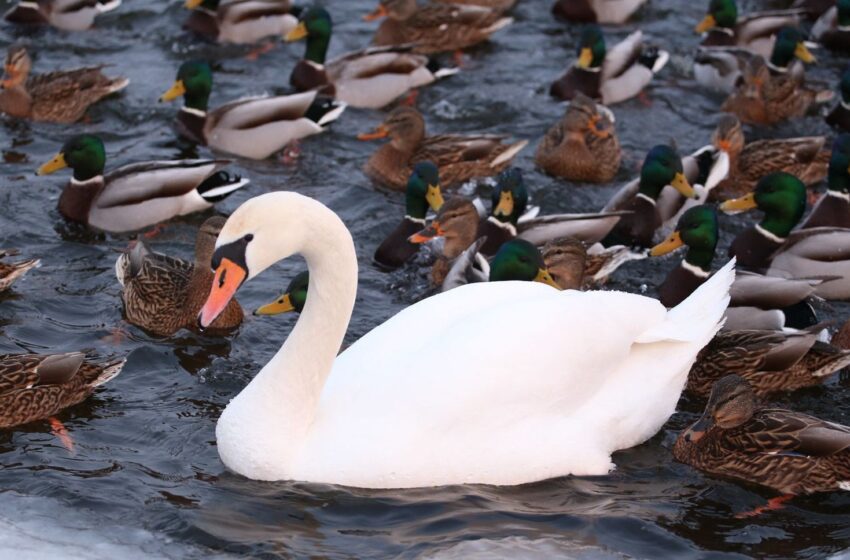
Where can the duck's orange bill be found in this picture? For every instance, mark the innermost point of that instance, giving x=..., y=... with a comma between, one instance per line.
x=723, y=145
x=427, y=234
x=594, y=129
x=381, y=132
x=377, y=13
x=746, y=202
x=707, y=23
x=670, y=244
x=192, y=4
x=12, y=77
x=228, y=277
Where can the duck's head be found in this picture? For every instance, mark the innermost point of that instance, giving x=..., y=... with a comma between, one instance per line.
x=518, y=259
x=205, y=242
x=839, y=164
x=293, y=299
x=661, y=167
x=394, y=9
x=211, y=5
x=790, y=44
x=583, y=115
x=591, y=48
x=315, y=25
x=731, y=404
x=782, y=198
x=423, y=190
x=457, y=222
x=843, y=7
x=729, y=135
x=194, y=83
x=16, y=67
x=565, y=259
x=510, y=197
x=405, y=127
x=84, y=154
x=697, y=229
x=721, y=13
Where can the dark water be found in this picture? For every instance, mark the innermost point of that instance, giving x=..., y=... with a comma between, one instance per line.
x=146, y=480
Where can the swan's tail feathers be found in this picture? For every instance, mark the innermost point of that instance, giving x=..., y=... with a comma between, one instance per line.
x=700, y=316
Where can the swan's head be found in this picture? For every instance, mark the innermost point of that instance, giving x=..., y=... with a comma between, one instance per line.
x=262, y=231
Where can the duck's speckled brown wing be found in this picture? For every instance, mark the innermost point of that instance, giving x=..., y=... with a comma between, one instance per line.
x=783, y=431
x=156, y=295
x=64, y=96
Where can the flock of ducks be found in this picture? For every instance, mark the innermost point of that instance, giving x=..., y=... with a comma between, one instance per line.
x=576, y=394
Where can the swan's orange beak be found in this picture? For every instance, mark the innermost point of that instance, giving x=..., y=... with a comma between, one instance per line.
x=378, y=13
x=228, y=277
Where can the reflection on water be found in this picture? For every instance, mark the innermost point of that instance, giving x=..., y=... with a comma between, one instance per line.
x=145, y=478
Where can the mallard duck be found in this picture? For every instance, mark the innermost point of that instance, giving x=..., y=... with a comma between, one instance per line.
x=832, y=29
x=62, y=96
x=577, y=265
x=241, y=21
x=293, y=298
x=805, y=158
x=498, y=5
x=370, y=79
x=9, y=272
x=516, y=260
x=833, y=209
x=609, y=76
x=583, y=145
x=252, y=127
x=755, y=32
x=567, y=413
x=757, y=302
x=459, y=158
x=721, y=69
x=423, y=193
x=138, y=195
x=70, y=15
x=38, y=386
x=813, y=8
x=764, y=99
x=817, y=251
x=435, y=27
x=597, y=11
x=839, y=117
x=736, y=437
x=163, y=294
x=770, y=361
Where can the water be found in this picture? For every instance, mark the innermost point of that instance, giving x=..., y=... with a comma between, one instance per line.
x=146, y=480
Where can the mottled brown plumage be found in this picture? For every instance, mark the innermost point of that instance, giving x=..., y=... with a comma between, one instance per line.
x=34, y=387
x=9, y=272
x=61, y=97
x=459, y=158
x=575, y=267
x=164, y=294
x=582, y=146
x=738, y=438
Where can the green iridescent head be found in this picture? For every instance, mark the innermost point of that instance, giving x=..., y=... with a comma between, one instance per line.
x=782, y=198
x=316, y=26
x=84, y=154
x=194, y=83
x=510, y=197
x=839, y=164
x=697, y=230
x=721, y=13
x=843, y=12
x=293, y=299
x=518, y=259
x=661, y=167
x=423, y=190
x=591, y=48
x=844, y=87
x=790, y=44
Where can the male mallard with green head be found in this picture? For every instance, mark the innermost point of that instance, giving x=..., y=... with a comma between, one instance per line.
x=61, y=96
x=423, y=193
x=833, y=209
x=292, y=299
x=518, y=259
x=252, y=127
x=738, y=438
x=832, y=29
x=241, y=21
x=609, y=76
x=721, y=27
x=137, y=195
x=70, y=15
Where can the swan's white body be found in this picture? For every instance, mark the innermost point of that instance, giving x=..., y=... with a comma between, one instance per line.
x=495, y=383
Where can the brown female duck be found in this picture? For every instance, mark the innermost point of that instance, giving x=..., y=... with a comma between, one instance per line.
x=459, y=158
x=435, y=27
x=35, y=387
x=9, y=272
x=738, y=438
x=575, y=266
x=164, y=294
x=61, y=97
x=583, y=145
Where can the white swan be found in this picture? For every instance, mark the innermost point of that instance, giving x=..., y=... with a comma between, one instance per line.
x=535, y=383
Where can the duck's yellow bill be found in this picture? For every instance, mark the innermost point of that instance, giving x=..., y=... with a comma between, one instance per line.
x=681, y=184
x=707, y=23
x=377, y=13
x=803, y=53
x=746, y=202
x=297, y=33
x=585, y=58
x=192, y=4
x=58, y=162
x=544, y=277
x=174, y=92
x=283, y=304
x=506, y=205
x=670, y=244
x=228, y=278
x=427, y=234
x=434, y=197
x=381, y=132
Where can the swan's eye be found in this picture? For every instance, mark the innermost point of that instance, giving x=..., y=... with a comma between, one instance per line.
x=248, y=238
